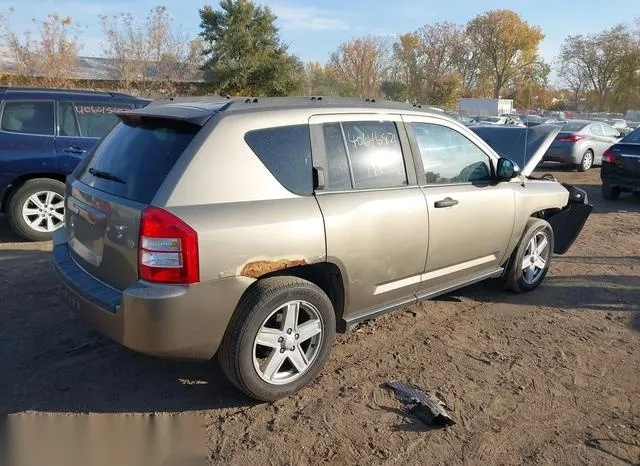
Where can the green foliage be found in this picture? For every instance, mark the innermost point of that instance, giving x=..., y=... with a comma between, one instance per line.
x=394, y=90
x=323, y=80
x=245, y=53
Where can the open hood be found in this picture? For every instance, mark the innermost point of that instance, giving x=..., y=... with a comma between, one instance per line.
x=525, y=146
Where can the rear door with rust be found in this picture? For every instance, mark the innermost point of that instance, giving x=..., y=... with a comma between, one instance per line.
x=375, y=215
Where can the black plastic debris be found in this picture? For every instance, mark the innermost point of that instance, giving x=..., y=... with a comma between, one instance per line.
x=425, y=407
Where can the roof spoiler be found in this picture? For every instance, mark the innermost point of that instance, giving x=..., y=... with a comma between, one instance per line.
x=193, y=114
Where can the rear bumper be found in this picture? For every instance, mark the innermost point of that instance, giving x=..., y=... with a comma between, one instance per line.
x=561, y=154
x=617, y=176
x=182, y=322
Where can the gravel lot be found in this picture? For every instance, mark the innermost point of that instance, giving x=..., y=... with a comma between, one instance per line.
x=551, y=377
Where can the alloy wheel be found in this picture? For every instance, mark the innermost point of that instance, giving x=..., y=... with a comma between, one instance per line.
x=534, y=261
x=288, y=342
x=44, y=211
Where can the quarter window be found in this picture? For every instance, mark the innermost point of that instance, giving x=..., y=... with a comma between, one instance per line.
x=338, y=173
x=28, y=117
x=449, y=157
x=286, y=152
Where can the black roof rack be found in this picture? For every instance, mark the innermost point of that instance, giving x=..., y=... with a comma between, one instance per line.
x=6, y=89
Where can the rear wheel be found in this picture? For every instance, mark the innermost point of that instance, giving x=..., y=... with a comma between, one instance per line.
x=587, y=161
x=279, y=338
x=531, y=260
x=609, y=192
x=36, y=209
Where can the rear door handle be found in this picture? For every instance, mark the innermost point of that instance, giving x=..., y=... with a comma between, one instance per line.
x=446, y=202
x=74, y=150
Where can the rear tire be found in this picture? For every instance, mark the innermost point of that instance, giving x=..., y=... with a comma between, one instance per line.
x=526, y=269
x=587, y=161
x=261, y=334
x=30, y=215
x=609, y=192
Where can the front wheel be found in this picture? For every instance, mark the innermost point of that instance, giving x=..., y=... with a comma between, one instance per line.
x=279, y=338
x=36, y=209
x=531, y=260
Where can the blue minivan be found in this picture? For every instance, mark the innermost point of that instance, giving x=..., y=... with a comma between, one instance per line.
x=44, y=133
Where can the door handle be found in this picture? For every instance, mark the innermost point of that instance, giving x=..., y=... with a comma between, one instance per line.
x=446, y=202
x=74, y=150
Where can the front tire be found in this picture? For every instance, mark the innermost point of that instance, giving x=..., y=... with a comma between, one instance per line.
x=609, y=192
x=279, y=338
x=36, y=209
x=531, y=260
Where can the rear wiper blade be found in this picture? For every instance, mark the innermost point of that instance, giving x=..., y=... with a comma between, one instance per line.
x=106, y=176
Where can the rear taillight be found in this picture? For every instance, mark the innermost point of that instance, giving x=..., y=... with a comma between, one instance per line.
x=569, y=138
x=168, y=249
x=609, y=156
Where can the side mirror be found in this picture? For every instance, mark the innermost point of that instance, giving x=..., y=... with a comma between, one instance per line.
x=506, y=169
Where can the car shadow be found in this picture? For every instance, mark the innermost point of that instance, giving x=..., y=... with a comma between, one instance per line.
x=55, y=363
x=6, y=233
x=607, y=293
x=626, y=203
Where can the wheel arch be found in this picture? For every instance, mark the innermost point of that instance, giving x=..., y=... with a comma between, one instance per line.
x=326, y=276
x=20, y=180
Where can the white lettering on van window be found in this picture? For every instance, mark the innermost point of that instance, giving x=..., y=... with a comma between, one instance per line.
x=97, y=109
x=372, y=138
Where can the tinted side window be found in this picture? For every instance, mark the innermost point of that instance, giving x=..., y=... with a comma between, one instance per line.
x=338, y=176
x=596, y=130
x=374, y=151
x=286, y=152
x=28, y=117
x=96, y=120
x=67, y=121
x=609, y=131
x=449, y=157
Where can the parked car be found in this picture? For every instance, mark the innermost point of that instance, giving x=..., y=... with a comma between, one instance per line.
x=257, y=228
x=532, y=120
x=44, y=133
x=581, y=143
x=499, y=120
x=621, y=167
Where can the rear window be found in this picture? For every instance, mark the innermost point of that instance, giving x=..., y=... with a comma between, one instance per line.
x=632, y=138
x=286, y=152
x=573, y=126
x=137, y=158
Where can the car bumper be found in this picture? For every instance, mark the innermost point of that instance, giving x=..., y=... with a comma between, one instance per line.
x=619, y=177
x=173, y=321
x=561, y=154
x=569, y=221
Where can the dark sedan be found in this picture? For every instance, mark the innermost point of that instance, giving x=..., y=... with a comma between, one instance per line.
x=621, y=167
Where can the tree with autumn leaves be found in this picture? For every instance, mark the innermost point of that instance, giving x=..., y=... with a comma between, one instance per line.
x=239, y=52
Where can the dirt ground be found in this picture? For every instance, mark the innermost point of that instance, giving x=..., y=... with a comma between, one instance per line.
x=551, y=377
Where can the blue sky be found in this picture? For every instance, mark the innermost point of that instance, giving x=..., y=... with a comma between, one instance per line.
x=314, y=29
